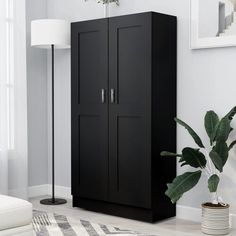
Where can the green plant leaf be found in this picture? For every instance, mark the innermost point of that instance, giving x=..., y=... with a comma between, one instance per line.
x=232, y=145
x=182, y=184
x=222, y=149
x=231, y=114
x=170, y=154
x=216, y=159
x=191, y=132
x=213, y=182
x=223, y=130
x=211, y=121
x=193, y=157
x=215, y=131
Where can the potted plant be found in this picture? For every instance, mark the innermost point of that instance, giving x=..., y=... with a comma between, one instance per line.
x=211, y=161
x=106, y=5
x=108, y=1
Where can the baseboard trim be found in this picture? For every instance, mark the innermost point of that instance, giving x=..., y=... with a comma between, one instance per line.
x=60, y=191
x=46, y=189
x=195, y=215
x=38, y=190
x=188, y=213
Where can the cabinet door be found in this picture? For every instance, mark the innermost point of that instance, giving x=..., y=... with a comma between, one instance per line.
x=89, y=85
x=129, y=110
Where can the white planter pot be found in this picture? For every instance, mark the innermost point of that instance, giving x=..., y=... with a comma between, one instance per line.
x=215, y=219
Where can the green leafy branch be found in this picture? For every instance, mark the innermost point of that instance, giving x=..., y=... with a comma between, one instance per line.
x=212, y=162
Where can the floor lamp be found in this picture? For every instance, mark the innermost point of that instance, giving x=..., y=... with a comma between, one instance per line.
x=51, y=34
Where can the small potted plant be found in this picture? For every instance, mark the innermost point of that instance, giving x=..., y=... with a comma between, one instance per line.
x=106, y=5
x=215, y=214
x=108, y=1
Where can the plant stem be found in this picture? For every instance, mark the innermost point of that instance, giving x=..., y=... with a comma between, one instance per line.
x=207, y=173
x=214, y=198
x=209, y=165
x=205, y=169
x=208, y=170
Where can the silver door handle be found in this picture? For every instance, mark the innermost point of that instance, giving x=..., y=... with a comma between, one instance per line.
x=103, y=96
x=112, y=95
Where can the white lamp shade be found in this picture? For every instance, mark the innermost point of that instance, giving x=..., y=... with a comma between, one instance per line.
x=47, y=32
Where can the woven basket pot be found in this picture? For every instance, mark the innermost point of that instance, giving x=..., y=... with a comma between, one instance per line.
x=215, y=219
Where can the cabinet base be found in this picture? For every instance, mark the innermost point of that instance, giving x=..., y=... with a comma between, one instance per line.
x=135, y=213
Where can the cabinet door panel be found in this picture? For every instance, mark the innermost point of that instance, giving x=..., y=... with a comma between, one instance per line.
x=89, y=112
x=130, y=66
x=129, y=120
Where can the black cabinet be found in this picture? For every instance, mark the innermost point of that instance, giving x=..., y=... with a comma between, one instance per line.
x=123, y=104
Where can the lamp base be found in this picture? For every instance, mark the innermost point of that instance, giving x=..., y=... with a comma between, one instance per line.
x=51, y=201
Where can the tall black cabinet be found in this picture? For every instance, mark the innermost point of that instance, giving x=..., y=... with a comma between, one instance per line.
x=123, y=103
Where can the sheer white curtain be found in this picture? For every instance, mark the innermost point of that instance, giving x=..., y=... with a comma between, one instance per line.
x=13, y=99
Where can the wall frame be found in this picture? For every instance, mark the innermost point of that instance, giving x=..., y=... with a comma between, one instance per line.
x=212, y=23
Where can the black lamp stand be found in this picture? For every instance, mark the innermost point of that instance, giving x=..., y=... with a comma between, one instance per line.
x=53, y=200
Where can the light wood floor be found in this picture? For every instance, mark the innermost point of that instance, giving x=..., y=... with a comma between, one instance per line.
x=171, y=227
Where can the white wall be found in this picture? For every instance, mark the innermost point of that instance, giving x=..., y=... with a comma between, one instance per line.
x=73, y=10
x=37, y=100
x=206, y=80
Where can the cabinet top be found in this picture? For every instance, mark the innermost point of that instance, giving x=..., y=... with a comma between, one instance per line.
x=149, y=13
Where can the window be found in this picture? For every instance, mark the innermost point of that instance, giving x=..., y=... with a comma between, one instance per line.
x=10, y=73
x=7, y=78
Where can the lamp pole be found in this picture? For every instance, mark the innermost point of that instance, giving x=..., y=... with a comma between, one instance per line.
x=53, y=200
x=53, y=159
